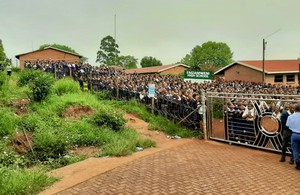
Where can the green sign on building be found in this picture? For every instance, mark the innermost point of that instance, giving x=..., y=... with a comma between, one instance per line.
x=197, y=76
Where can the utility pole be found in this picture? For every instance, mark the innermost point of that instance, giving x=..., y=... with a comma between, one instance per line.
x=115, y=40
x=264, y=51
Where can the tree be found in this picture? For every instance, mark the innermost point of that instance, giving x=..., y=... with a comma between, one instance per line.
x=108, y=53
x=64, y=48
x=127, y=62
x=2, y=53
x=149, y=61
x=209, y=56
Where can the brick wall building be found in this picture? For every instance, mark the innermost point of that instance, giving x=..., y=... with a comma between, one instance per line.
x=48, y=53
x=281, y=72
x=175, y=69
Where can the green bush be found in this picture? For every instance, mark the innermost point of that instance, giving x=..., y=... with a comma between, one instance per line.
x=23, y=182
x=31, y=122
x=15, y=69
x=3, y=79
x=9, y=158
x=41, y=86
x=7, y=122
x=64, y=86
x=49, y=144
x=108, y=118
x=27, y=76
x=103, y=95
x=125, y=142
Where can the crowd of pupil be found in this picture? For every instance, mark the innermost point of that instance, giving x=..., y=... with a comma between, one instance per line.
x=58, y=65
x=171, y=87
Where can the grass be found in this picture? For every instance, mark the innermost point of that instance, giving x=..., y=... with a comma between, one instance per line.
x=54, y=135
x=23, y=182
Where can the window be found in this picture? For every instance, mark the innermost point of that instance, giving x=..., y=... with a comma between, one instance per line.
x=290, y=78
x=278, y=78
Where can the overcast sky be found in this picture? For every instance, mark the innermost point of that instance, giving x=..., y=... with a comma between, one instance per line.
x=164, y=29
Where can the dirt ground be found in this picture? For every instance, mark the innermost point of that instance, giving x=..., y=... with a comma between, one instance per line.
x=78, y=172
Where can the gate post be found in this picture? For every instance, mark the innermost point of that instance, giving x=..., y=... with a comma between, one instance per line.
x=204, y=114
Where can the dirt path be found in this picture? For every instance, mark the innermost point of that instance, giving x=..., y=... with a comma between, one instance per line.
x=82, y=171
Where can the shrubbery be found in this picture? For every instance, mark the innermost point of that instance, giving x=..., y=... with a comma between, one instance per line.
x=65, y=86
x=7, y=122
x=109, y=118
x=27, y=76
x=40, y=83
x=23, y=182
x=3, y=78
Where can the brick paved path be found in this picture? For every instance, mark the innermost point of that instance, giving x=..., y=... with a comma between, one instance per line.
x=197, y=167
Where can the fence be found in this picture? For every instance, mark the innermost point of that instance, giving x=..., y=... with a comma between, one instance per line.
x=188, y=114
x=227, y=121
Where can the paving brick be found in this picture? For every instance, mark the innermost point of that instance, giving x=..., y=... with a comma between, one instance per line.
x=197, y=167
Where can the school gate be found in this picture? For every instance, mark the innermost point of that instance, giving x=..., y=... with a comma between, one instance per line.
x=264, y=130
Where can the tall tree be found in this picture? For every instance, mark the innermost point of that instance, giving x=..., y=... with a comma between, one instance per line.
x=209, y=56
x=2, y=53
x=149, y=61
x=108, y=53
x=127, y=62
x=65, y=48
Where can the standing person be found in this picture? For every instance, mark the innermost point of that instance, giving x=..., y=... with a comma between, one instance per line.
x=8, y=69
x=286, y=133
x=293, y=122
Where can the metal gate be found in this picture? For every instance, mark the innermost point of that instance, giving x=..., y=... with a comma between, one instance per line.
x=247, y=119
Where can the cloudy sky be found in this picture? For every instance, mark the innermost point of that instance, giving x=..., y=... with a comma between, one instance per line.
x=165, y=29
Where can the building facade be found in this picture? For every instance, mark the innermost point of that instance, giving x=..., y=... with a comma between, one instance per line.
x=175, y=69
x=49, y=53
x=278, y=72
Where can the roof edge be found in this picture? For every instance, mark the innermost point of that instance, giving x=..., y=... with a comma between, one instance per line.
x=18, y=56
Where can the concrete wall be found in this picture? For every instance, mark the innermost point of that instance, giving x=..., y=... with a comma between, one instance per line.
x=270, y=79
x=174, y=71
x=238, y=72
x=48, y=54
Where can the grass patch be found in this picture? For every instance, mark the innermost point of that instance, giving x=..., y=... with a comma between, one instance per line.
x=23, y=182
x=65, y=86
x=125, y=142
x=8, y=122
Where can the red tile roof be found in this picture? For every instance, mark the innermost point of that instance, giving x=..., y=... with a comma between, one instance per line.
x=271, y=66
x=154, y=69
x=75, y=54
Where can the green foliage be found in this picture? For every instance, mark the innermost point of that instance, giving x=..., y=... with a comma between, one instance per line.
x=124, y=143
x=30, y=122
x=127, y=62
x=3, y=79
x=209, y=56
x=2, y=53
x=102, y=95
x=16, y=69
x=63, y=161
x=149, y=61
x=23, y=182
x=49, y=144
x=109, y=118
x=64, y=86
x=9, y=158
x=41, y=87
x=28, y=76
x=108, y=52
x=8, y=122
